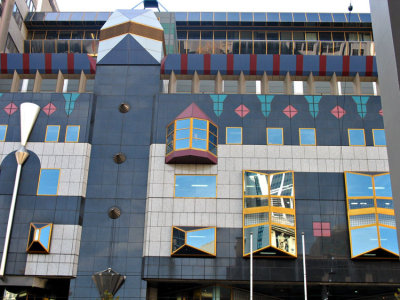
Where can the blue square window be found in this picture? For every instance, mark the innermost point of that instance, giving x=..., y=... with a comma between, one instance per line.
x=307, y=137
x=72, y=134
x=48, y=182
x=196, y=186
x=234, y=135
x=275, y=136
x=356, y=137
x=52, y=133
x=3, y=132
x=379, y=137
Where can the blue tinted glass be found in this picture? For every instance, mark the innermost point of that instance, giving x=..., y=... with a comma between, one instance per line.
x=220, y=17
x=389, y=239
x=358, y=185
x=48, y=182
x=3, y=131
x=272, y=17
x=181, y=16
x=102, y=16
x=246, y=17
x=51, y=16
x=275, y=136
x=194, y=17
x=286, y=17
x=52, y=133
x=199, y=144
x=364, y=240
x=361, y=203
x=90, y=16
x=383, y=187
x=307, y=136
x=234, y=135
x=77, y=16
x=45, y=236
x=339, y=18
x=195, y=186
x=299, y=17
x=260, y=17
x=64, y=16
x=233, y=17
x=182, y=144
x=353, y=18
x=199, y=134
x=325, y=17
x=379, y=137
x=312, y=17
x=365, y=18
x=199, y=124
x=206, y=17
x=384, y=203
x=356, y=137
x=182, y=134
x=203, y=239
x=183, y=124
x=260, y=238
x=72, y=134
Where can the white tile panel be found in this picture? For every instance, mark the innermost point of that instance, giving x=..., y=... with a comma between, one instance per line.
x=115, y=19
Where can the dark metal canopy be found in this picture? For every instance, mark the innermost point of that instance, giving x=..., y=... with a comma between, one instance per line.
x=108, y=282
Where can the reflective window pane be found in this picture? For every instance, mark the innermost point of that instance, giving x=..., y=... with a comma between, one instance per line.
x=384, y=203
x=199, y=144
x=234, y=135
x=203, y=239
x=178, y=239
x=389, y=239
x=199, y=134
x=361, y=220
x=195, y=186
x=275, y=136
x=213, y=129
x=283, y=238
x=356, y=137
x=48, y=182
x=361, y=203
x=183, y=124
x=182, y=144
x=307, y=136
x=3, y=132
x=282, y=184
x=255, y=202
x=364, y=239
x=182, y=134
x=358, y=185
x=45, y=236
x=388, y=220
x=213, y=139
x=260, y=238
x=379, y=137
x=282, y=202
x=212, y=148
x=170, y=129
x=52, y=133
x=284, y=219
x=255, y=184
x=383, y=187
x=257, y=218
x=72, y=134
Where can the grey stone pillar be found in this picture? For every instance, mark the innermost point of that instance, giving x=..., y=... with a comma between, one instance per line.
x=5, y=23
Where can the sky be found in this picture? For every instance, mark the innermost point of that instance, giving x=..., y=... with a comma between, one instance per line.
x=361, y=6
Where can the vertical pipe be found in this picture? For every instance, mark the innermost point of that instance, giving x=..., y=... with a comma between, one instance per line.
x=10, y=221
x=304, y=266
x=251, y=266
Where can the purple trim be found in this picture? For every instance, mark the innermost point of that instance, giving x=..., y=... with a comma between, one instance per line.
x=193, y=111
x=191, y=156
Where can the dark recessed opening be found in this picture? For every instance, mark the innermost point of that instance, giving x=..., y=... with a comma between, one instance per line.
x=124, y=107
x=119, y=158
x=114, y=212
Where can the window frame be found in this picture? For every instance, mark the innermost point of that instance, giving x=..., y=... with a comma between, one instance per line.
x=198, y=175
x=283, y=139
x=241, y=135
x=40, y=178
x=58, y=134
x=5, y=132
x=206, y=254
x=66, y=133
x=349, y=138
x=315, y=137
x=373, y=136
x=30, y=243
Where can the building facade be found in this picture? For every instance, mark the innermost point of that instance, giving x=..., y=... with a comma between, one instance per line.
x=164, y=140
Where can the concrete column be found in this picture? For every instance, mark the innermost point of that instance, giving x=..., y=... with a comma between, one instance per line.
x=82, y=83
x=5, y=23
x=242, y=84
x=60, y=82
x=218, y=83
x=15, y=83
x=38, y=82
x=334, y=86
x=357, y=85
x=172, y=83
x=288, y=84
x=264, y=84
x=195, y=83
x=311, y=84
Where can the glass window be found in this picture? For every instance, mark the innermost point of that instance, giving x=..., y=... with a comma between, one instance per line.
x=274, y=136
x=195, y=186
x=17, y=16
x=39, y=238
x=52, y=133
x=10, y=45
x=234, y=135
x=48, y=182
x=379, y=137
x=356, y=137
x=3, y=132
x=72, y=134
x=197, y=241
x=307, y=137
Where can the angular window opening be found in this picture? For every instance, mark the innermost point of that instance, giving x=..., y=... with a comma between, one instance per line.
x=72, y=134
x=275, y=136
x=379, y=137
x=193, y=241
x=3, y=132
x=356, y=137
x=39, y=238
x=52, y=133
x=234, y=135
x=48, y=182
x=307, y=137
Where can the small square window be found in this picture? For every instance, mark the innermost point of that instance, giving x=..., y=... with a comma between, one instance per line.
x=48, y=182
x=274, y=136
x=52, y=133
x=72, y=134
x=356, y=137
x=3, y=132
x=234, y=135
x=307, y=137
x=379, y=137
x=322, y=229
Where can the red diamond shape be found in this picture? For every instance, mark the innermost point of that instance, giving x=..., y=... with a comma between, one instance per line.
x=49, y=109
x=10, y=108
x=381, y=112
x=338, y=112
x=242, y=110
x=290, y=111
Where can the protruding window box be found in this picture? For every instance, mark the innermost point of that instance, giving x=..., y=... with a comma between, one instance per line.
x=39, y=238
x=192, y=138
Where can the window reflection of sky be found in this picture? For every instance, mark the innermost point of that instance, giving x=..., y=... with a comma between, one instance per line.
x=195, y=186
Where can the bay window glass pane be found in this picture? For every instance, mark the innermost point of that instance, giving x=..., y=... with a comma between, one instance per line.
x=260, y=238
x=361, y=203
x=187, y=186
x=182, y=134
x=201, y=124
x=307, y=136
x=362, y=220
x=257, y=218
x=72, y=134
x=213, y=139
x=182, y=144
x=203, y=239
x=358, y=185
x=282, y=202
x=364, y=239
x=255, y=202
x=183, y=124
x=283, y=219
x=275, y=136
x=379, y=137
x=213, y=129
x=384, y=203
x=283, y=238
x=255, y=184
x=178, y=239
x=48, y=182
x=383, y=187
x=356, y=137
x=234, y=135
x=282, y=184
x=388, y=220
x=52, y=133
x=389, y=239
x=199, y=144
x=212, y=148
x=199, y=134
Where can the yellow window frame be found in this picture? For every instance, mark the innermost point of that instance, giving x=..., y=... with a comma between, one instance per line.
x=241, y=136
x=283, y=138
x=207, y=254
x=356, y=129
x=315, y=137
x=58, y=135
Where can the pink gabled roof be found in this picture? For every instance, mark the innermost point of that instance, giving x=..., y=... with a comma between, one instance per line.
x=193, y=111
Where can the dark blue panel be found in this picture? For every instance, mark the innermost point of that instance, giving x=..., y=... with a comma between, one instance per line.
x=64, y=16
x=59, y=62
x=286, y=17
x=77, y=16
x=218, y=63
x=310, y=64
x=313, y=17
x=194, y=17
x=15, y=60
x=36, y=62
x=181, y=17
x=357, y=64
x=246, y=17
x=366, y=18
x=233, y=18
x=219, y=17
x=260, y=17
x=195, y=63
x=51, y=16
x=265, y=63
x=353, y=18
x=299, y=17
x=241, y=62
x=90, y=16
x=339, y=18
x=325, y=17
x=334, y=64
x=273, y=17
x=207, y=17
x=287, y=64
